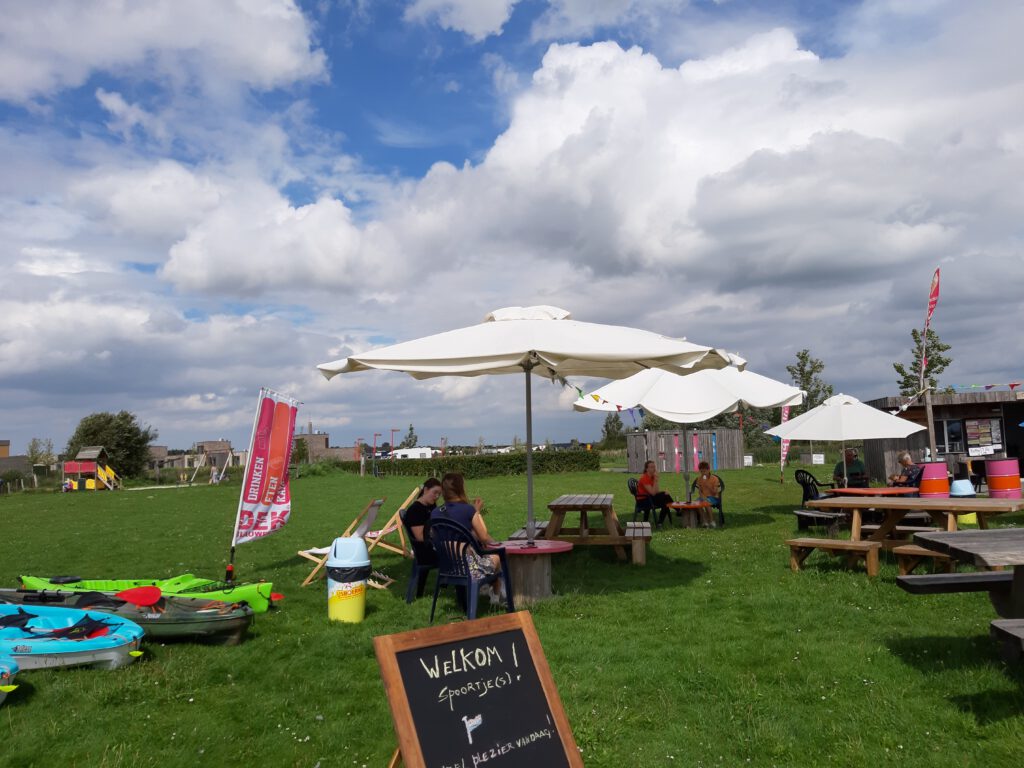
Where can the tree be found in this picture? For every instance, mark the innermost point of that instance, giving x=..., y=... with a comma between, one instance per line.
x=806, y=376
x=909, y=376
x=40, y=451
x=612, y=435
x=300, y=450
x=410, y=440
x=125, y=440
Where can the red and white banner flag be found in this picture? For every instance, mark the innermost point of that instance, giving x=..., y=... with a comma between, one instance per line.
x=933, y=299
x=785, y=443
x=265, y=503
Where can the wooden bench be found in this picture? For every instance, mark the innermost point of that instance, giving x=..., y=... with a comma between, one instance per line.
x=639, y=535
x=909, y=556
x=949, y=583
x=799, y=549
x=1010, y=634
x=538, y=531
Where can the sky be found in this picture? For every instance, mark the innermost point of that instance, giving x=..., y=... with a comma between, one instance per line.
x=199, y=199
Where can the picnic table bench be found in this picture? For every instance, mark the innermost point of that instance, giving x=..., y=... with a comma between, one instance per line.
x=799, y=549
x=1010, y=634
x=609, y=532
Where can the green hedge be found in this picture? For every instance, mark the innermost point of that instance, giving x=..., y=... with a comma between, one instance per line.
x=472, y=467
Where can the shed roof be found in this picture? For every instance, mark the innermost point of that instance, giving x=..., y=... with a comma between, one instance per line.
x=90, y=452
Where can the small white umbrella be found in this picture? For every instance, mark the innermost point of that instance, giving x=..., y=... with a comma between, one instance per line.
x=694, y=398
x=691, y=399
x=543, y=341
x=842, y=418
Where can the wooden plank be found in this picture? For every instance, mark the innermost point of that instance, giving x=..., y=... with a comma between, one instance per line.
x=991, y=548
x=950, y=583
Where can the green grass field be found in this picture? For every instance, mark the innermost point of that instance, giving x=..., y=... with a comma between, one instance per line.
x=714, y=654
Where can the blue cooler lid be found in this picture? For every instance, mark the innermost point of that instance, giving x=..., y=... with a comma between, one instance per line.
x=348, y=552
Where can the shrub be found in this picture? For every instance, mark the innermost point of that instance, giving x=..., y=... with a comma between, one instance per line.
x=491, y=465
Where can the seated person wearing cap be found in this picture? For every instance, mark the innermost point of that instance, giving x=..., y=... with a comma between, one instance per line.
x=855, y=476
x=909, y=474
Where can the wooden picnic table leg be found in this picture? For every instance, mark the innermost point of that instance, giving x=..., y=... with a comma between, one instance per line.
x=554, y=526
x=584, y=523
x=888, y=525
x=855, y=523
x=611, y=523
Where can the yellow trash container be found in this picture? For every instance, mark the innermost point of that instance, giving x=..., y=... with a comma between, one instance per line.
x=348, y=568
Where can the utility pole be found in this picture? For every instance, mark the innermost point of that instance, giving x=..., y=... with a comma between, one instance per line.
x=375, y=436
x=393, y=430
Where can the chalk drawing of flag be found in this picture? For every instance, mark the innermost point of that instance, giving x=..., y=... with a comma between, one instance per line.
x=472, y=723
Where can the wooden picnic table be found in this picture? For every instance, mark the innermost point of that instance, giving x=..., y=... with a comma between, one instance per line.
x=943, y=511
x=986, y=549
x=612, y=534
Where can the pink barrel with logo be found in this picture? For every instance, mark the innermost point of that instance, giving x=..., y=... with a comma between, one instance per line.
x=934, y=483
x=1003, y=478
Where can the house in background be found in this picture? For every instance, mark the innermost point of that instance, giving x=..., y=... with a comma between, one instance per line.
x=318, y=447
x=5, y=449
x=968, y=426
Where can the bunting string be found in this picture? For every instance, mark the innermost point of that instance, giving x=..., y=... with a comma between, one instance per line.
x=1011, y=385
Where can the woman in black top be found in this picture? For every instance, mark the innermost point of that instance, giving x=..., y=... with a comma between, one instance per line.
x=418, y=513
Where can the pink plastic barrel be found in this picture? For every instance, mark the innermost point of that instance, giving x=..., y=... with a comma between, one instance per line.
x=1003, y=478
x=934, y=480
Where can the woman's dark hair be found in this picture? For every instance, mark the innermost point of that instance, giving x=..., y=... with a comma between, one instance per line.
x=453, y=487
x=647, y=464
x=430, y=482
x=703, y=465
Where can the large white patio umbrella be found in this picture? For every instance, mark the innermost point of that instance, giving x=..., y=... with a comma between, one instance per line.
x=543, y=341
x=842, y=418
x=691, y=399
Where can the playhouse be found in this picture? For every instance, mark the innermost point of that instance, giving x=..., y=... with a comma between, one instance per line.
x=90, y=471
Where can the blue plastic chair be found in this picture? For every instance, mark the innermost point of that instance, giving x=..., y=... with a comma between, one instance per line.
x=451, y=541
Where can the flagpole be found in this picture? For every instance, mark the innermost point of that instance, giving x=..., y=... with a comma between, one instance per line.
x=933, y=299
x=229, y=572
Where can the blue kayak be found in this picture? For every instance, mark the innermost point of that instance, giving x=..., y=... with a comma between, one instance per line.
x=8, y=670
x=37, y=637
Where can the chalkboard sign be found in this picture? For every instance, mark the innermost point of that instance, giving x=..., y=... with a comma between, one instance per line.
x=475, y=693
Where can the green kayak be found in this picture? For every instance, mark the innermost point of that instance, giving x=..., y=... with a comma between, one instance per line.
x=256, y=594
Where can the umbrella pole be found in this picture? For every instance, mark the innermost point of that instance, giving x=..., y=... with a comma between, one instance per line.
x=530, y=528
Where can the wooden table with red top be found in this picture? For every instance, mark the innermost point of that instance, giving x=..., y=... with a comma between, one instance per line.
x=690, y=511
x=894, y=490
x=530, y=568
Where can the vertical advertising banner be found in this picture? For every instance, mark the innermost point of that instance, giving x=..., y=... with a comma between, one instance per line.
x=784, y=448
x=264, y=504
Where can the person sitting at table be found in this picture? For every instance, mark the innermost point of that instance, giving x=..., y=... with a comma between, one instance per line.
x=647, y=491
x=418, y=513
x=909, y=474
x=855, y=475
x=708, y=489
x=457, y=507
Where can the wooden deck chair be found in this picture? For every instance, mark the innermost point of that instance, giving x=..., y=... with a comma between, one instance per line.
x=393, y=525
x=363, y=522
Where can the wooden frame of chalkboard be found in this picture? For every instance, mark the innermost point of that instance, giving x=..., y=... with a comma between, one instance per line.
x=475, y=692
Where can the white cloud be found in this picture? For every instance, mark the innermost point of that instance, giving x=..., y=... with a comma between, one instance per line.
x=477, y=18
x=261, y=43
x=160, y=199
